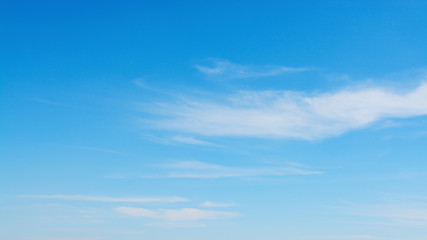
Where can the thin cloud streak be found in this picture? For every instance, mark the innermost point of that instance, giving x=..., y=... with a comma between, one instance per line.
x=196, y=169
x=285, y=114
x=164, y=224
x=178, y=140
x=418, y=213
x=226, y=69
x=96, y=149
x=190, y=140
x=109, y=199
x=215, y=205
x=185, y=214
x=405, y=214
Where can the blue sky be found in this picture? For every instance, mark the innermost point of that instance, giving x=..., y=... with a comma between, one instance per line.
x=222, y=120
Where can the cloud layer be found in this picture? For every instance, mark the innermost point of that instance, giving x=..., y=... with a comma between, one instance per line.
x=196, y=169
x=185, y=214
x=398, y=212
x=226, y=69
x=285, y=114
x=215, y=205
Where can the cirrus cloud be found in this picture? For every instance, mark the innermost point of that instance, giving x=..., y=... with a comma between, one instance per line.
x=215, y=204
x=229, y=70
x=185, y=214
x=201, y=170
x=287, y=114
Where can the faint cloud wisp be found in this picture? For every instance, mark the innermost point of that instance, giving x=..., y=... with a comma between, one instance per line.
x=226, y=69
x=196, y=169
x=185, y=214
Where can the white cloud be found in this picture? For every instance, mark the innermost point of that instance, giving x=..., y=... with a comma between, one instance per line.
x=178, y=140
x=227, y=69
x=195, y=169
x=285, y=114
x=214, y=204
x=109, y=199
x=164, y=224
x=190, y=140
x=185, y=214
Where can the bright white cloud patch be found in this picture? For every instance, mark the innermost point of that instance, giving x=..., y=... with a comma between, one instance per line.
x=185, y=214
x=227, y=69
x=110, y=199
x=284, y=114
x=195, y=169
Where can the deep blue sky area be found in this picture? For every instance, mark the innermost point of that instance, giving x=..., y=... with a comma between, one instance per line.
x=127, y=39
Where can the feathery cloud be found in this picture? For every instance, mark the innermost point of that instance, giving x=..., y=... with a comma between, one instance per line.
x=185, y=214
x=214, y=204
x=412, y=213
x=190, y=140
x=196, y=169
x=177, y=140
x=227, y=69
x=395, y=211
x=286, y=114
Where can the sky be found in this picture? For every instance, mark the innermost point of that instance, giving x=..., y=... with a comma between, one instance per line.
x=228, y=120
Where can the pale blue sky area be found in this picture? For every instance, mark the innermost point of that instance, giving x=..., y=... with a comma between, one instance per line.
x=232, y=120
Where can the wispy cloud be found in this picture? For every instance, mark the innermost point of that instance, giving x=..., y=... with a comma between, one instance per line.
x=227, y=69
x=286, y=114
x=165, y=224
x=178, y=140
x=185, y=214
x=393, y=211
x=196, y=169
x=409, y=213
x=215, y=205
x=109, y=199
x=96, y=149
x=190, y=140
